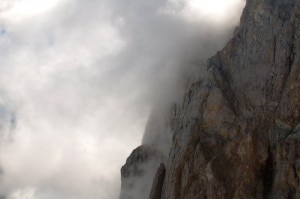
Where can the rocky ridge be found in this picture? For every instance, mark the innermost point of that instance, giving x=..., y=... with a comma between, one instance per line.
x=236, y=134
x=137, y=174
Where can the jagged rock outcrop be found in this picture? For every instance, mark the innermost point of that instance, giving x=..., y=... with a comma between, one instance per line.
x=237, y=131
x=138, y=172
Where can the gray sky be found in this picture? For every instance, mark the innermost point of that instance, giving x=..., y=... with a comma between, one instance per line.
x=79, y=78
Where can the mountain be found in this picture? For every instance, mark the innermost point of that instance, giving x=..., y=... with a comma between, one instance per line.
x=236, y=133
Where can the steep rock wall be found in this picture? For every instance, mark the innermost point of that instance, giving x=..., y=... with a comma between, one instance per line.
x=237, y=131
x=237, y=135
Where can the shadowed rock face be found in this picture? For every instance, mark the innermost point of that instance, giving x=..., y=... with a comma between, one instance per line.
x=237, y=131
x=156, y=188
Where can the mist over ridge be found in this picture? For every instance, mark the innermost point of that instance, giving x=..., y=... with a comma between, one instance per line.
x=79, y=80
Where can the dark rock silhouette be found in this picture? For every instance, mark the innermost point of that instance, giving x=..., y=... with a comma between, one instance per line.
x=158, y=182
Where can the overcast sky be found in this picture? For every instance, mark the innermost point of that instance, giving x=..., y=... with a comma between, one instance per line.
x=79, y=78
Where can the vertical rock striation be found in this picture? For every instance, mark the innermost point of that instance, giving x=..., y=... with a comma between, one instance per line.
x=156, y=188
x=237, y=131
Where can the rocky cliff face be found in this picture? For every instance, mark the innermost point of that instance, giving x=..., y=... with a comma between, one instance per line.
x=237, y=131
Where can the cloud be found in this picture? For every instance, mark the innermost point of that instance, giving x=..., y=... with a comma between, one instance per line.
x=78, y=80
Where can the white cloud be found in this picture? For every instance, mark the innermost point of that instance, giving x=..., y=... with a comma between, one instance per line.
x=27, y=193
x=20, y=9
x=80, y=78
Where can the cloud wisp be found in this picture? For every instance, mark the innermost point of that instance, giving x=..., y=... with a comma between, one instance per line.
x=78, y=80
